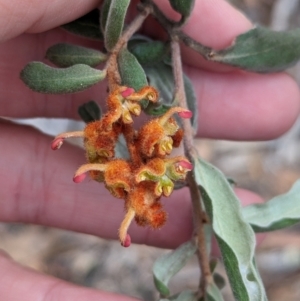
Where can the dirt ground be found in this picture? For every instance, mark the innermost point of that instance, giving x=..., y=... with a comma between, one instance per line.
x=268, y=168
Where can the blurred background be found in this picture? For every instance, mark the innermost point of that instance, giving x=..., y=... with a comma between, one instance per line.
x=268, y=168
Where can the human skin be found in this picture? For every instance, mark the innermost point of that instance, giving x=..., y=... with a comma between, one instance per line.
x=36, y=183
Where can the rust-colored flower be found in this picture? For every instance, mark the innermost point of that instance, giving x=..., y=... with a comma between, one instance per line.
x=155, y=138
x=117, y=176
x=163, y=172
x=124, y=102
x=147, y=175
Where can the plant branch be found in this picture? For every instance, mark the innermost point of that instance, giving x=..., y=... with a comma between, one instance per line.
x=113, y=75
x=191, y=43
x=173, y=29
x=179, y=95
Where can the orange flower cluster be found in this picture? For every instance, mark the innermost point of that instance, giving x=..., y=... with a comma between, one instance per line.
x=149, y=174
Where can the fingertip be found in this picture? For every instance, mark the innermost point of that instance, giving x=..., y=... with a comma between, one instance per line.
x=245, y=106
x=215, y=23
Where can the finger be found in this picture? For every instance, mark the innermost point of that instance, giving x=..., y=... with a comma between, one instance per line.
x=213, y=23
x=37, y=188
x=18, y=16
x=19, y=283
x=244, y=106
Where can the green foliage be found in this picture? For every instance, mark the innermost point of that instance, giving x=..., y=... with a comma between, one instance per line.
x=234, y=235
x=183, y=296
x=219, y=280
x=44, y=79
x=66, y=55
x=262, y=50
x=184, y=7
x=148, y=53
x=89, y=111
x=121, y=150
x=115, y=22
x=132, y=73
x=213, y=293
x=87, y=26
x=280, y=212
x=103, y=14
x=170, y=264
x=161, y=77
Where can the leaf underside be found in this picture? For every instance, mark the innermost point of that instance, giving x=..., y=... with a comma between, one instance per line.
x=278, y=213
x=235, y=237
x=170, y=264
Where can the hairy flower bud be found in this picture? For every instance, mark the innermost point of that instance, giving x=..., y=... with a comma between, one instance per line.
x=155, y=138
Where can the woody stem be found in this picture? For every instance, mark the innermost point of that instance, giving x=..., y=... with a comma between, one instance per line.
x=188, y=140
x=113, y=75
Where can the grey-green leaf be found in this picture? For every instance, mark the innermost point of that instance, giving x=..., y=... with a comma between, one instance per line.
x=213, y=293
x=219, y=280
x=66, y=55
x=280, y=212
x=121, y=150
x=234, y=235
x=86, y=26
x=161, y=77
x=115, y=22
x=148, y=53
x=185, y=296
x=184, y=7
x=132, y=73
x=103, y=14
x=89, y=111
x=170, y=264
x=262, y=50
x=45, y=79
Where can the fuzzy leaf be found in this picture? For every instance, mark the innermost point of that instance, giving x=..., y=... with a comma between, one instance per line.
x=45, y=79
x=137, y=39
x=184, y=7
x=219, y=280
x=66, y=55
x=86, y=26
x=161, y=77
x=234, y=235
x=89, y=111
x=132, y=73
x=103, y=14
x=170, y=264
x=185, y=296
x=213, y=293
x=279, y=212
x=115, y=22
x=262, y=50
x=148, y=53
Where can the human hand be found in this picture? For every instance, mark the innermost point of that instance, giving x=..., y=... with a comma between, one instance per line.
x=37, y=184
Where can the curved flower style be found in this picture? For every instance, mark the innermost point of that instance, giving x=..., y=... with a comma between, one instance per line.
x=148, y=175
